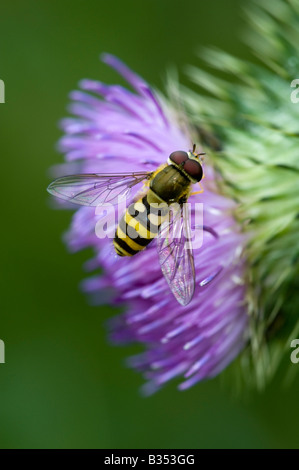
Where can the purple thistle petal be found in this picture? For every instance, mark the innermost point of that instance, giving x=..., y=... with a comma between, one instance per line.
x=117, y=130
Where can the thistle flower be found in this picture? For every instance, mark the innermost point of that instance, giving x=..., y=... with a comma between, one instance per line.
x=257, y=122
x=116, y=130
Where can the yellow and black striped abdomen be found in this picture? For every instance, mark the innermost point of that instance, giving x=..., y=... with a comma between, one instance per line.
x=139, y=225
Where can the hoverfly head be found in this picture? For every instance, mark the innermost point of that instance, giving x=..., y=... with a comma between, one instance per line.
x=190, y=162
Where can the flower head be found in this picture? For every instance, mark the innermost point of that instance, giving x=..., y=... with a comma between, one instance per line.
x=117, y=130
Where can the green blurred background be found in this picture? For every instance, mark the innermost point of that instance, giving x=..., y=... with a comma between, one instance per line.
x=62, y=384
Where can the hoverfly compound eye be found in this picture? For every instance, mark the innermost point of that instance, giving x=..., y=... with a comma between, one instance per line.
x=178, y=157
x=188, y=162
x=194, y=169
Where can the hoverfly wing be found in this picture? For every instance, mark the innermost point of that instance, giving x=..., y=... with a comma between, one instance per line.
x=176, y=256
x=95, y=189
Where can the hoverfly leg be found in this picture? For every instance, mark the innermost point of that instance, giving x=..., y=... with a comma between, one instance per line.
x=198, y=192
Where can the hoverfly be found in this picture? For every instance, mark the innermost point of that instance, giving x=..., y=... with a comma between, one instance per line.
x=148, y=217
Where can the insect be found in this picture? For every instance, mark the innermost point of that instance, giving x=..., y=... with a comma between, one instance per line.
x=149, y=216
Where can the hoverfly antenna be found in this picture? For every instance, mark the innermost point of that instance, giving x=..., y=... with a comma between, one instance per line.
x=198, y=155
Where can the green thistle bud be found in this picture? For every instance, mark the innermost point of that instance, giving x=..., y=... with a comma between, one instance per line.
x=255, y=118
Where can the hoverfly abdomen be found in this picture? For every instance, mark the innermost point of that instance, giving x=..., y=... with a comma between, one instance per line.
x=139, y=225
